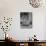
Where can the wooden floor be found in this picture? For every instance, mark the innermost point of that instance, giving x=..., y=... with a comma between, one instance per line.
x=3, y=43
x=25, y=43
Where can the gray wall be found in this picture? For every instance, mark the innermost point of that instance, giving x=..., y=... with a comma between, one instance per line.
x=12, y=8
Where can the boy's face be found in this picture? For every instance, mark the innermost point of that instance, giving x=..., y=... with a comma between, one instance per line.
x=25, y=19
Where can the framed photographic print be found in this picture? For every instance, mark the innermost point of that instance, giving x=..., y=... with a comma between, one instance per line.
x=26, y=19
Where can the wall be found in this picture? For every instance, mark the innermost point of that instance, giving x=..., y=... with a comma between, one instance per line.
x=12, y=8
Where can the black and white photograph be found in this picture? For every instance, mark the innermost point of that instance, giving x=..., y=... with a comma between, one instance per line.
x=26, y=19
